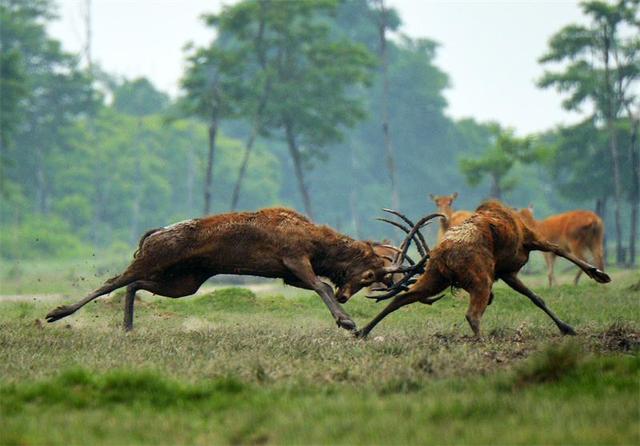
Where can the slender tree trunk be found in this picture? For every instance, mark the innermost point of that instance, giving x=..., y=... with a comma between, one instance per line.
x=137, y=192
x=353, y=196
x=388, y=145
x=613, y=148
x=601, y=210
x=635, y=190
x=297, y=164
x=235, y=197
x=213, y=130
x=191, y=174
x=41, y=179
x=496, y=191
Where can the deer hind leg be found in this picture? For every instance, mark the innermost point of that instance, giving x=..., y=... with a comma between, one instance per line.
x=597, y=252
x=578, y=251
x=423, y=291
x=516, y=284
x=550, y=259
x=177, y=286
x=480, y=297
x=109, y=286
x=590, y=270
x=302, y=269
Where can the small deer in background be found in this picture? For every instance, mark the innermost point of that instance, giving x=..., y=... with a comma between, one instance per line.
x=454, y=218
x=494, y=243
x=176, y=260
x=574, y=231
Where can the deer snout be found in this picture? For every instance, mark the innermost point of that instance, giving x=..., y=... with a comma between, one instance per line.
x=343, y=294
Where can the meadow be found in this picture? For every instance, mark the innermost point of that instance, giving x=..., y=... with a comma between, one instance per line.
x=268, y=366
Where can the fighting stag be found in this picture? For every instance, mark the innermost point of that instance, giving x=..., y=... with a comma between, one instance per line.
x=494, y=243
x=445, y=206
x=574, y=231
x=176, y=260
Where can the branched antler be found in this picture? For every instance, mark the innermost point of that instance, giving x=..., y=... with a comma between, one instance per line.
x=421, y=245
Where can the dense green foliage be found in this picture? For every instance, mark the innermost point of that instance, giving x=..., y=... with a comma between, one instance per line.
x=86, y=166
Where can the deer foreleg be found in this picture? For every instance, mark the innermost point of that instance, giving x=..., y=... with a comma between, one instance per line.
x=303, y=270
x=398, y=302
x=515, y=283
x=590, y=270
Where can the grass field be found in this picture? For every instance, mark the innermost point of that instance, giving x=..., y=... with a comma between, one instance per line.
x=234, y=366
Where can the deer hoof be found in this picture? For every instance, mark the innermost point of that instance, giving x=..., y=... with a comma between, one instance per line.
x=567, y=330
x=59, y=313
x=599, y=276
x=347, y=324
x=360, y=334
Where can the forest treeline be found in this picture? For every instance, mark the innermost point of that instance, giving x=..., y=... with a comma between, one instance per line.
x=323, y=106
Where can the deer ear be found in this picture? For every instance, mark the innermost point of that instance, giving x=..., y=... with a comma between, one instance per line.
x=433, y=197
x=455, y=195
x=368, y=276
x=530, y=207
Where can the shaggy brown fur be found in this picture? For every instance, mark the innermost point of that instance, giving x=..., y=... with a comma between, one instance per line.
x=494, y=243
x=445, y=206
x=574, y=231
x=277, y=242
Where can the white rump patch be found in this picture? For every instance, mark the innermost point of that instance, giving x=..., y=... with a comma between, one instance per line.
x=466, y=232
x=180, y=223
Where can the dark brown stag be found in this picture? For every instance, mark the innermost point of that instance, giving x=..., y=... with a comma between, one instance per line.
x=494, y=243
x=176, y=260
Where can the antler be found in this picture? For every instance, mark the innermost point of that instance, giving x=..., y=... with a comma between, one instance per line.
x=421, y=245
x=423, y=248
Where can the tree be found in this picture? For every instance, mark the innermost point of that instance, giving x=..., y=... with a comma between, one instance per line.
x=310, y=76
x=591, y=75
x=56, y=94
x=210, y=84
x=385, y=20
x=139, y=97
x=497, y=162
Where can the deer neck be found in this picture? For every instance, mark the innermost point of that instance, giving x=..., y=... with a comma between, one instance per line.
x=445, y=223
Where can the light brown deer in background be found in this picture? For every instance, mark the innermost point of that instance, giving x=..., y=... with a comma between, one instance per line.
x=575, y=231
x=176, y=260
x=494, y=243
x=454, y=218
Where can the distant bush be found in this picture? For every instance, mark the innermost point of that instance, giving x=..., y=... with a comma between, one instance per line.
x=40, y=237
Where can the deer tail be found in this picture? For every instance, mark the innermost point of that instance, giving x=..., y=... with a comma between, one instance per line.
x=143, y=238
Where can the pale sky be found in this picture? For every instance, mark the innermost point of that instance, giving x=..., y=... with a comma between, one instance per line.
x=488, y=48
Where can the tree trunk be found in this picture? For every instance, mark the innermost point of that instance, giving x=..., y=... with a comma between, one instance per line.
x=191, y=174
x=297, y=164
x=635, y=191
x=496, y=191
x=388, y=146
x=613, y=148
x=41, y=180
x=235, y=197
x=601, y=210
x=353, y=196
x=137, y=188
x=213, y=130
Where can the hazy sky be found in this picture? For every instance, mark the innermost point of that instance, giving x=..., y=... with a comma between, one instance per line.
x=488, y=48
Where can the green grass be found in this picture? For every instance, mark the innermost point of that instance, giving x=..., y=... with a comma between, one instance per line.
x=239, y=367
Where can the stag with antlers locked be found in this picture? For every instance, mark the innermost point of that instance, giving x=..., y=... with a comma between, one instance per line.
x=176, y=260
x=494, y=243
